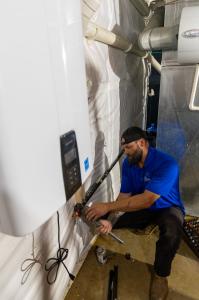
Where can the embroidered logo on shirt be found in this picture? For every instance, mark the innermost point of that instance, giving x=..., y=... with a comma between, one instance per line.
x=147, y=178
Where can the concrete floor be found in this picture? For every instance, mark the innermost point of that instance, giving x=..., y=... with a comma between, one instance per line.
x=134, y=278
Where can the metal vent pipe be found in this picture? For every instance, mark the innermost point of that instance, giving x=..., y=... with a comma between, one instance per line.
x=157, y=37
x=164, y=38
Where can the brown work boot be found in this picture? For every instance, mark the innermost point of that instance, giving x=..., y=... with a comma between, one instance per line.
x=159, y=288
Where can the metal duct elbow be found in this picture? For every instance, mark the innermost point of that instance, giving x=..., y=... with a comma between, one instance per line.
x=160, y=38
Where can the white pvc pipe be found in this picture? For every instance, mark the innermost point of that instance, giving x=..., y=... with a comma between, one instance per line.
x=89, y=7
x=194, y=89
x=154, y=63
x=100, y=34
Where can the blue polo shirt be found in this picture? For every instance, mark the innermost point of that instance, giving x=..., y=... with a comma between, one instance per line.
x=159, y=175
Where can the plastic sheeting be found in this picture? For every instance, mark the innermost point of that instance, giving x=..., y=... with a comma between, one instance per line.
x=116, y=95
x=116, y=90
x=21, y=277
x=178, y=130
x=177, y=125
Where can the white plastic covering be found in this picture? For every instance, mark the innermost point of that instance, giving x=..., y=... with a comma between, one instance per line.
x=117, y=89
x=188, y=41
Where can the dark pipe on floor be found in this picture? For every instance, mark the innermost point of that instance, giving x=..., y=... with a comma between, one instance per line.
x=112, y=285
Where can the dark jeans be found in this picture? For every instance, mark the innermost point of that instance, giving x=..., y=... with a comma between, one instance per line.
x=169, y=221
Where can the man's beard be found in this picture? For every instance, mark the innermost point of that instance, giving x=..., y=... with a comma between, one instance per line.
x=136, y=157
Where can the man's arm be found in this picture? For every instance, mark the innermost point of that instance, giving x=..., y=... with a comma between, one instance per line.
x=133, y=203
x=123, y=203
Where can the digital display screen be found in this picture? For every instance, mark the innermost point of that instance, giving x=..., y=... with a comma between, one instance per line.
x=69, y=156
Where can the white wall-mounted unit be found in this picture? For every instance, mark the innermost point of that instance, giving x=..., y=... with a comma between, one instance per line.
x=188, y=38
x=42, y=97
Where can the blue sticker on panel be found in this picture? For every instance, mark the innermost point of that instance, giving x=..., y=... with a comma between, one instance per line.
x=86, y=164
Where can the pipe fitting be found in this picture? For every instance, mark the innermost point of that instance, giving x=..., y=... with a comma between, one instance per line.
x=164, y=38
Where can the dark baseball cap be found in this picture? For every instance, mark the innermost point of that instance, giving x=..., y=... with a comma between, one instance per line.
x=132, y=134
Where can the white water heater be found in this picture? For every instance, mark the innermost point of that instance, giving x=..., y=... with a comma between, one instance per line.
x=45, y=151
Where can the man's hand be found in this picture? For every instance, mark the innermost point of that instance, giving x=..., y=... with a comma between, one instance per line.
x=96, y=210
x=105, y=226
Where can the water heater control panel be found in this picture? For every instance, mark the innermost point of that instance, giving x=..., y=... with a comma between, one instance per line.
x=70, y=163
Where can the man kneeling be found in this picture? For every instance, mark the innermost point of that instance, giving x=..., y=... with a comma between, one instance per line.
x=149, y=195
